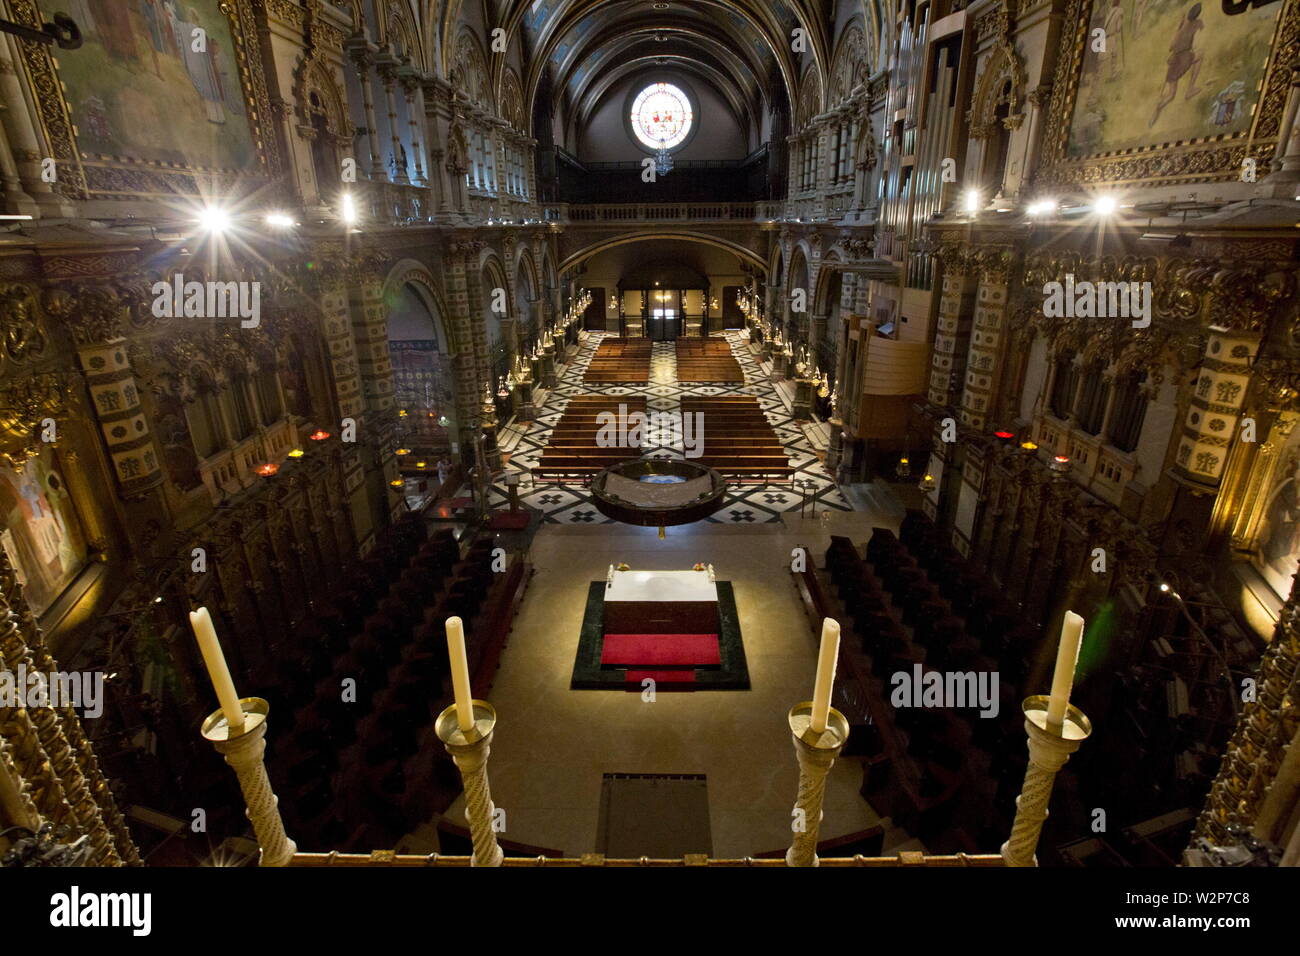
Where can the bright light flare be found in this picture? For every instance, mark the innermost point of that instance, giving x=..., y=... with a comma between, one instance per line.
x=214, y=219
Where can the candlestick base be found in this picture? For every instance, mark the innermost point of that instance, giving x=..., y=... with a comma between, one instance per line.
x=244, y=748
x=470, y=749
x=1049, y=749
x=816, y=752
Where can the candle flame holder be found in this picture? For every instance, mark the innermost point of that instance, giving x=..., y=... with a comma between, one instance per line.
x=816, y=753
x=470, y=749
x=1049, y=749
x=244, y=748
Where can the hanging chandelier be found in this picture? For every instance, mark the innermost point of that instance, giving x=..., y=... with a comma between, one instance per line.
x=663, y=158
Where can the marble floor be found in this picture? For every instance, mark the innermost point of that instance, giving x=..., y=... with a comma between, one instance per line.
x=553, y=744
x=566, y=503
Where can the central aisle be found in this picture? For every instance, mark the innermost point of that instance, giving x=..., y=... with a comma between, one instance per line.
x=553, y=744
x=567, y=503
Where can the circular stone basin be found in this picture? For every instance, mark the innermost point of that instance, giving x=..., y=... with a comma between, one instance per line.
x=658, y=492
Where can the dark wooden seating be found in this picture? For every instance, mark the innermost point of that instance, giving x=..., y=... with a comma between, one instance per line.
x=573, y=450
x=737, y=438
x=620, y=360
x=707, y=360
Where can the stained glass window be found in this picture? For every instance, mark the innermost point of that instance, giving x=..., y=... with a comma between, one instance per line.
x=662, y=116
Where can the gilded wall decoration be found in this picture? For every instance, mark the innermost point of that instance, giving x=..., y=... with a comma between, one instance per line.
x=1211, y=93
x=163, y=98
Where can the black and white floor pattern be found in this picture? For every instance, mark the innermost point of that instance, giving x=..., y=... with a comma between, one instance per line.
x=566, y=503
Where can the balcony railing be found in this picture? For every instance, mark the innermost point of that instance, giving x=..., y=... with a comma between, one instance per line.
x=654, y=212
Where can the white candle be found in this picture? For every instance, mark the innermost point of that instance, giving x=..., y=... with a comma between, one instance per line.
x=826, y=661
x=218, y=672
x=1067, y=657
x=460, y=674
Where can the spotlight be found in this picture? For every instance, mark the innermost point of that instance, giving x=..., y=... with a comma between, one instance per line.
x=214, y=219
x=1164, y=587
x=1043, y=207
x=971, y=202
x=278, y=220
x=349, y=209
x=1105, y=206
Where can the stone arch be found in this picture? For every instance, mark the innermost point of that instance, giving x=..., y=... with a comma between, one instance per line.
x=776, y=265
x=512, y=100
x=469, y=73
x=424, y=372
x=1002, y=82
x=493, y=277
x=810, y=99
x=400, y=34
x=529, y=289
x=526, y=271
x=830, y=267
x=409, y=271
x=848, y=66
x=744, y=253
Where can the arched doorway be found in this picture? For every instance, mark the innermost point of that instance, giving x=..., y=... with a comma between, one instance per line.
x=423, y=379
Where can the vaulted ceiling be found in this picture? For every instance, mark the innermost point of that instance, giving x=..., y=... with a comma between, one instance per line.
x=578, y=49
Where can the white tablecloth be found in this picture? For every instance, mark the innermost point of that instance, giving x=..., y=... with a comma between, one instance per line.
x=661, y=586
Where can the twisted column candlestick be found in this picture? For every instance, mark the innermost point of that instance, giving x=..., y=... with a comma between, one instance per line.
x=470, y=750
x=816, y=753
x=1049, y=749
x=244, y=752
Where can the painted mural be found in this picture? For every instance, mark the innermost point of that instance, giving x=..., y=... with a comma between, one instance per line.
x=39, y=529
x=1165, y=71
x=155, y=80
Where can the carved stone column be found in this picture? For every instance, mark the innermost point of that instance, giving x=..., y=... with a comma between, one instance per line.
x=45, y=752
x=360, y=50
x=410, y=81
x=94, y=314
x=387, y=66
x=21, y=131
x=370, y=333
x=1215, y=409
x=988, y=341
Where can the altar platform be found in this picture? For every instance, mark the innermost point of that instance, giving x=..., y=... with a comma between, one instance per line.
x=676, y=628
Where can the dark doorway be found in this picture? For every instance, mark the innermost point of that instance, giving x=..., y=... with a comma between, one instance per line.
x=732, y=317
x=594, y=317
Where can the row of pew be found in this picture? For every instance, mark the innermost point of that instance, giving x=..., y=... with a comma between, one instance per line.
x=620, y=360
x=361, y=765
x=737, y=438
x=947, y=775
x=575, y=448
x=707, y=360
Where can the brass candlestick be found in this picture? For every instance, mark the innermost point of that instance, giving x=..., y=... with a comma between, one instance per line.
x=245, y=752
x=470, y=749
x=816, y=753
x=1049, y=749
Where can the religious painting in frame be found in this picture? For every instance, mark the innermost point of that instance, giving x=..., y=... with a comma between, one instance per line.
x=161, y=100
x=1185, y=90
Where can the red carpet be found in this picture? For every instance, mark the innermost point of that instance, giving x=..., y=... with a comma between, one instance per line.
x=660, y=650
x=510, y=520
x=664, y=680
